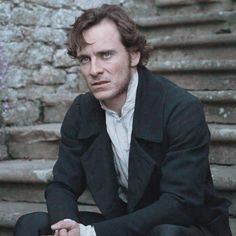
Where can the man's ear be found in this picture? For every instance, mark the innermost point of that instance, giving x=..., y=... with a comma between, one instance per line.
x=135, y=58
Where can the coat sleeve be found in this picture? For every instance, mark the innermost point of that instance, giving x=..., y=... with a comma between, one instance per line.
x=68, y=176
x=183, y=174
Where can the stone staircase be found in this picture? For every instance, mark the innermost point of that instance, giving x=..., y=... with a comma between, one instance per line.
x=196, y=51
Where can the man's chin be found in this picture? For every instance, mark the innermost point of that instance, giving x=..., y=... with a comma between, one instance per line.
x=101, y=97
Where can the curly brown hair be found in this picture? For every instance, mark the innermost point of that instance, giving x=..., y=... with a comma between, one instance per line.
x=130, y=36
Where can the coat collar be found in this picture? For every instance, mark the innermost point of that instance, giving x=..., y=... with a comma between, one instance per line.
x=148, y=114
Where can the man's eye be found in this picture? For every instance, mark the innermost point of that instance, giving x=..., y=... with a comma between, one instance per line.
x=106, y=55
x=83, y=60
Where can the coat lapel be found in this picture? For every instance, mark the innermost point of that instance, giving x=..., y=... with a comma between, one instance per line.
x=147, y=126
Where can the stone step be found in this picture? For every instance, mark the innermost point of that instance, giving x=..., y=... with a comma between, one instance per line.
x=200, y=79
x=38, y=141
x=219, y=105
x=183, y=7
x=207, y=47
x=198, y=74
x=193, y=66
x=25, y=180
x=11, y=211
x=223, y=144
x=41, y=141
x=187, y=25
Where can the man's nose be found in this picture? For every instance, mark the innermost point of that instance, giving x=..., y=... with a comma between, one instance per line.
x=95, y=68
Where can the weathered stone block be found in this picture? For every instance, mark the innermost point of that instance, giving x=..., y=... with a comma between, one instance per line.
x=53, y=3
x=83, y=4
x=62, y=59
x=224, y=177
x=34, y=142
x=17, y=77
x=64, y=18
x=40, y=16
x=33, y=150
x=14, y=52
x=5, y=12
x=3, y=152
x=49, y=35
x=8, y=34
x=34, y=92
x=21, y=113
x=221, y=80
x=34, y=133
x=27, y=192
x=55, y=107
x=220, y=113
x=47, y=75
x=223, y=153
x=71, y=85
x=22, y=192
x=37, y=55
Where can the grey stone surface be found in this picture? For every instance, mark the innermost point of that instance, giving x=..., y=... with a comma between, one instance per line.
x=33, y=142
x=35, y=150
x=40, y=16
x=194, y=65
x=203, y=80
x=26, y=171
x=222, y=133
x=37, y=55
x=34, y=92
x=48, y=75
x=72, y=85
x=12, y=33
x=220, y=113
x=64, y=18
x=188, y=25
x=44, y=132
x=184, y=7
x=17, y=77
x=223, y=153
x=14, y=52
x=61, y=59
x=56, y=106
x=22, y=192
x=3, y=152
x=21, y=113
x=55, y=4
x=25, y=180
x=5, y=12
x=224, y=177
x=49, y=35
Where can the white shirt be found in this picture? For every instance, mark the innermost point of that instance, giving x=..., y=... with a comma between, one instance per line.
x=119, y=129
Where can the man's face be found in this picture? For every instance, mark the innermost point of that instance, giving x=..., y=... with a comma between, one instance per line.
x=105, y=63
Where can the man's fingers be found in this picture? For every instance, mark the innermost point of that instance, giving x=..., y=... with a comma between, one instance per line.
x=63, y=232
x=64, y=224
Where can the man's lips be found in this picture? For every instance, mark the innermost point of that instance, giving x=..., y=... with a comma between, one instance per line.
x=100, y=83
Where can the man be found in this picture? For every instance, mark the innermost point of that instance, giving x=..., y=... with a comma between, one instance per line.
x=138, y=142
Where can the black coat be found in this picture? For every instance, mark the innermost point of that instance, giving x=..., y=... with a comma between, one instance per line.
x=169, y=175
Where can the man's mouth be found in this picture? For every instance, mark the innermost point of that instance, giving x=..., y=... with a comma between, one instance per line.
x=99, y=83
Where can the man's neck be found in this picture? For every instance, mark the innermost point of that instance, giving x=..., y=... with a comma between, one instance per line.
x=116, y=104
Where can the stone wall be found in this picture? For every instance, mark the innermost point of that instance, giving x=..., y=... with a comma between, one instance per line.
x=38, y=79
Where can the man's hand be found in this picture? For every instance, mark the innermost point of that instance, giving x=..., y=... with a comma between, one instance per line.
x=66, y=227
